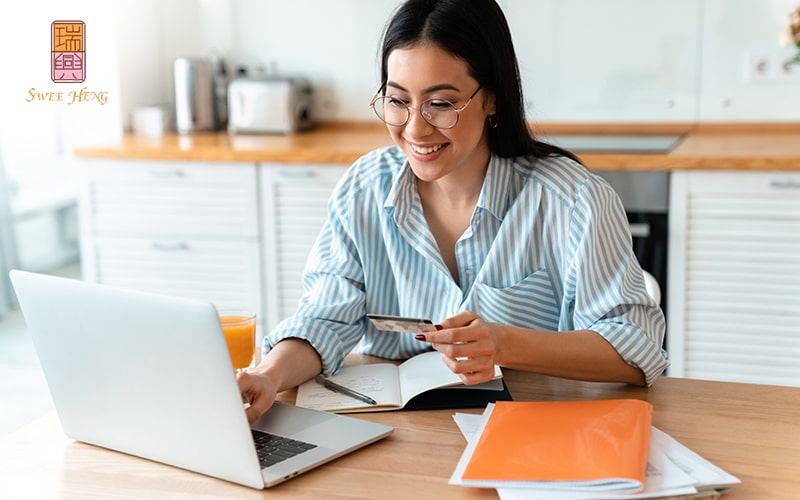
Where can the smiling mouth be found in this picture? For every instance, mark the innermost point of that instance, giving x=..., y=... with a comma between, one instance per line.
x=426, y=150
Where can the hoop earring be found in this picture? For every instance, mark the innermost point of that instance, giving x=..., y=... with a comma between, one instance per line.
x=493, y=121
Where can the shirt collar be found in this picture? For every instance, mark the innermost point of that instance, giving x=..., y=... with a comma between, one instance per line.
x=495, y=197
x=401, y=195
x=497, y=192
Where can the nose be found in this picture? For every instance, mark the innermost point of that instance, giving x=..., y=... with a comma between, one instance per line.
x=416, y=124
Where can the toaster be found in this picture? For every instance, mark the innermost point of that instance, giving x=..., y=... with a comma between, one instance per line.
x=269, y=105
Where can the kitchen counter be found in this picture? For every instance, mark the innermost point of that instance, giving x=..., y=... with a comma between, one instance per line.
x=704, y=147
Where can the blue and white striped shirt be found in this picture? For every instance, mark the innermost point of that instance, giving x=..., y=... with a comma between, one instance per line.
x=548, y=247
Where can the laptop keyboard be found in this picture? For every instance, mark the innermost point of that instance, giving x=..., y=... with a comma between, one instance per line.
x=272, y=449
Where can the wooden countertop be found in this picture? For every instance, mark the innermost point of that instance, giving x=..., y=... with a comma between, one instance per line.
x=704, y=147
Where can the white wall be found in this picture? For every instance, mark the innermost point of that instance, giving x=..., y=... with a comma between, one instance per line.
x=730, y=30
x=582, y=60
x=615, y=60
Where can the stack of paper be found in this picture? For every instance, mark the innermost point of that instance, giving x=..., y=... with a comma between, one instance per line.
x=670, y=468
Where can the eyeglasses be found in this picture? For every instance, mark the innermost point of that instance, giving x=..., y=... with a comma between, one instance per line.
x=437, y=112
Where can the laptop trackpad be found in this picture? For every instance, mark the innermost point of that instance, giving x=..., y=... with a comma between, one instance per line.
x=283, y=418
x=323, y=429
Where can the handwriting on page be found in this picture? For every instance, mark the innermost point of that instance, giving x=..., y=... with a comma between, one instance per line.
x=322, y=398
x=366, y=384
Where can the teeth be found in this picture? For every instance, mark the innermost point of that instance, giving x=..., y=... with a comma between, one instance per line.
x=427, y=151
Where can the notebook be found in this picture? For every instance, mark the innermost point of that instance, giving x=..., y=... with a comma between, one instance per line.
x=149, y=375
x=592, y=446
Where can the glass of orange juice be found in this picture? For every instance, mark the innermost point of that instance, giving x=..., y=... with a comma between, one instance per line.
x=239, y=327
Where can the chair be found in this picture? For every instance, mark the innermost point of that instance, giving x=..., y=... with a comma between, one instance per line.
x=652, y=286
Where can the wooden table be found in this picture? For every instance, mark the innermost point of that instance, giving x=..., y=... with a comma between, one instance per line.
x=752, y=431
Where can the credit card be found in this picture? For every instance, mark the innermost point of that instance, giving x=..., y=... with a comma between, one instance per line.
x=401, y=323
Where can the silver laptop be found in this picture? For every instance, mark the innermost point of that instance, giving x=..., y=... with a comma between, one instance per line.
x=150, y=375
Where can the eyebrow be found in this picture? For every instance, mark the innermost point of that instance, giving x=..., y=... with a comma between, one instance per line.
x=433, y=88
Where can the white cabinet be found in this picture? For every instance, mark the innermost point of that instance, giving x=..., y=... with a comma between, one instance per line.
x=734, y=279
x=188, y=229
x=294, y=201
x=235, y=234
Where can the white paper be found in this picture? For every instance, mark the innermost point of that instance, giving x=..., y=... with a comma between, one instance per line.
x=705, y=474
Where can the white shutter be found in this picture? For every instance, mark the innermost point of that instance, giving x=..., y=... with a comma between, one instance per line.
x=295, y=206
x=737, y=250
x=222, y=272
x=181, y=228
x=166, y=198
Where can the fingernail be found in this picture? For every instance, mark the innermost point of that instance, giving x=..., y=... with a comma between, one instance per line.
x=438, y=327
x=420, y=336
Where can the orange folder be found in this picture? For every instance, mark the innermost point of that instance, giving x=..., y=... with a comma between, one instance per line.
x=582, y=443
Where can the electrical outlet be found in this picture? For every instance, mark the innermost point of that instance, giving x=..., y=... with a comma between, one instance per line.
x=772, y=67
x=789, y=69
x=758, y=68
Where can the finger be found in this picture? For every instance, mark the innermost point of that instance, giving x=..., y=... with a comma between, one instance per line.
x=463, y=318
x=476, y=377
x=259, y=403
x=255, y=401
x=471, y=371
x=470, y=349
x=458, y=335
x=469, y=365
x=253, y=412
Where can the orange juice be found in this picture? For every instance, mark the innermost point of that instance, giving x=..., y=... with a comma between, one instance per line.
x=240, y=334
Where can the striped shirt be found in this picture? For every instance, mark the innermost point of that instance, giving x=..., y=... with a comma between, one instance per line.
x=548, y=247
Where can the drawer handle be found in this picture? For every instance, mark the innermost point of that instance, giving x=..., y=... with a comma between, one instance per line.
x=784, y=185
x=640, y=229
x=296, y=173
x=167, y=174
x=170, y=246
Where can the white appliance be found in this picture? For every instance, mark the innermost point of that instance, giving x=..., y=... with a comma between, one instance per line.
x=269, y=105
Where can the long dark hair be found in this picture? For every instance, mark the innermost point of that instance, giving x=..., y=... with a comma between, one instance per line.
x=475, y=31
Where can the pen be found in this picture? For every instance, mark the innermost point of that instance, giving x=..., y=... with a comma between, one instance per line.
x=333, y=386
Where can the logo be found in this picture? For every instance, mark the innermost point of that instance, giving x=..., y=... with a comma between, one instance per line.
x=68, y=51
x=67, y=65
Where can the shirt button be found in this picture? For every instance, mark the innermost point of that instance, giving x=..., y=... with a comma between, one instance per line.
x=468, y=272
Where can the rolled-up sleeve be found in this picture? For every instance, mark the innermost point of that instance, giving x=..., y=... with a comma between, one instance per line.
x=606, y=290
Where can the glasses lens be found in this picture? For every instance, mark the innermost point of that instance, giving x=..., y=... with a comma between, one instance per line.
x=440, y=114
x=391, y=110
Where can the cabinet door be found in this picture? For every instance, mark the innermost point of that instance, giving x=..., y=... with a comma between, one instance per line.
x=192, y=199
x=294, y=208
x=187, y=229
x=222, y=272
x=734, y=286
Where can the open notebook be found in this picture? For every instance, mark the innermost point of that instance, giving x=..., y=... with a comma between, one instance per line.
x=421, y=382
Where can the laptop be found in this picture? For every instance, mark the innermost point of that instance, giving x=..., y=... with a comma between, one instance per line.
x=150, y=375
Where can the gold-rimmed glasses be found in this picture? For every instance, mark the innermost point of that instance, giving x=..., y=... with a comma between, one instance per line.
x=439, y=113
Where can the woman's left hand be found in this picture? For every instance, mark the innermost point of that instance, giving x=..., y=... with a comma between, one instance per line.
x=468, y=346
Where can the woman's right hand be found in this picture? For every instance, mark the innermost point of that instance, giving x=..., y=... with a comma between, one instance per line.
x=289, y=363
x=258, y=391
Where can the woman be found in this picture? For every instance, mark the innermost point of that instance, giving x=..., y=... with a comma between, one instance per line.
x=522, y=256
